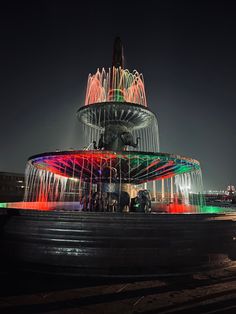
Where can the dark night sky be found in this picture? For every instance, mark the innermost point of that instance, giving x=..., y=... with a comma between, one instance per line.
x=185, y=49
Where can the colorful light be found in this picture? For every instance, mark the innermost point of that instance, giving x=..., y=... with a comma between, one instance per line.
x=131, y=167
x=117, y=85
x=168, y=209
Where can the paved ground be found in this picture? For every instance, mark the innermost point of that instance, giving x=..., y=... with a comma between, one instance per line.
x=206, y=292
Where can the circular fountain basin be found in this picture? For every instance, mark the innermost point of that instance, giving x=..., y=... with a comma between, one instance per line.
x=116, y=167
x=116, y=244
x=131, y=115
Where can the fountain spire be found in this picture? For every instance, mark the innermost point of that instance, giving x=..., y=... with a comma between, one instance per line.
x=118, y=54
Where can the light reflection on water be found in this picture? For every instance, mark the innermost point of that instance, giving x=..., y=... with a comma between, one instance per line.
x=156, y=208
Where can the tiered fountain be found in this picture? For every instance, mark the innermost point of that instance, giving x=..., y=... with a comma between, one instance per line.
x=121, y=159
x=124, y=155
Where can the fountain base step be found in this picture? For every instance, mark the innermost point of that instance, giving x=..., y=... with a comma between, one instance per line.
x=116, y=244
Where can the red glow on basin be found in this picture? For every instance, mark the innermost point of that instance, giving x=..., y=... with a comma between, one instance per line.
x=49, y=206
x=181, y=209
x=32, y=205
x=175, y=208
x=74, y=206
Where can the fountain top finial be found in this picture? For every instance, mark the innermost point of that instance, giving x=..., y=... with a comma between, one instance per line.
x=118, y=54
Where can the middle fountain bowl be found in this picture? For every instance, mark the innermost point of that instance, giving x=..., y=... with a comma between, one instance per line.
x=96, y=166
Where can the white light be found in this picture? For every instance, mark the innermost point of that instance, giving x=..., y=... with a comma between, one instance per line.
x=74, y=179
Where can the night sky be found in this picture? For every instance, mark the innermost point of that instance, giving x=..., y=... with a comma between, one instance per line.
x=186, y=51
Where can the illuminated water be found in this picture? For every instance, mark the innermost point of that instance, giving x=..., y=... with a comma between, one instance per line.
x=117, y=85
x=156, y=208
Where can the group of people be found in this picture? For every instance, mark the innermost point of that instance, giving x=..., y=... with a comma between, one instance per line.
x=112, y=202
x=98, y=202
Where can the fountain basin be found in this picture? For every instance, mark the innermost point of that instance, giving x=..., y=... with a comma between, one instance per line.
x=116, y=244
x=131, y=115
x=118, y=167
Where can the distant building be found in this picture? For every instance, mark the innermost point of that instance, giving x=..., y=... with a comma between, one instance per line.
x=230, y=190
x=228, y=195
x=11, y=186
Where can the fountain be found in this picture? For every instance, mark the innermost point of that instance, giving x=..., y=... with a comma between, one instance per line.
x=93, y=211
x=124, y=155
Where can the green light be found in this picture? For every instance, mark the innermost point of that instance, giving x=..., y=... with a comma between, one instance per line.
x=214, y=210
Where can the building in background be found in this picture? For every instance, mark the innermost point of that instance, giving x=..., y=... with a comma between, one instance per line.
x=11, y=186
x=223, y=197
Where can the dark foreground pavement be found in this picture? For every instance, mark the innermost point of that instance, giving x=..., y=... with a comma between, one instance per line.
x=173, y=240
x=205, y=292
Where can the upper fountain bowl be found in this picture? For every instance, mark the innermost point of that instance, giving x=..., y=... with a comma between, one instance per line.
x=131, y=115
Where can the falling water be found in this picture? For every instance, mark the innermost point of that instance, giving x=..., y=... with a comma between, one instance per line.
x=117, y=85
x=148, y=136
x=44, y=186
x=189, y=188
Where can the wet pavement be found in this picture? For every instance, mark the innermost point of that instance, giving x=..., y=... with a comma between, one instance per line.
x=206, y=292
